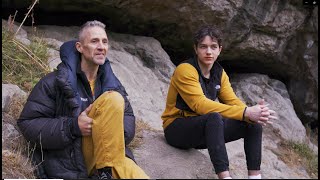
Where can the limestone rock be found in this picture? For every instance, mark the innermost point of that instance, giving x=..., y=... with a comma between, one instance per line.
x=162, y=161
x=54, y=58
x=8, y=91
x=9, y=136
x=252, y=87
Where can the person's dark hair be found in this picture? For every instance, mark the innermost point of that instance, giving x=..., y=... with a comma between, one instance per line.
x=207, y=30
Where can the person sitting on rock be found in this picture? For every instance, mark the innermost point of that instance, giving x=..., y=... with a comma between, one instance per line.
x=193, y=119
x=79, y=117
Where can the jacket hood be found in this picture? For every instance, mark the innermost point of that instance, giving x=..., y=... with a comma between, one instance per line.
x=70, y=57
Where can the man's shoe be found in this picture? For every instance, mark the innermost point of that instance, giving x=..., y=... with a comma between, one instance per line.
x=105, y=173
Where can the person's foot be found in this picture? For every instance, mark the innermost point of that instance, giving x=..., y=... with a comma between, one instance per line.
x=224, y=175
x=105, y=173
x=254, y=174
x=229, y=177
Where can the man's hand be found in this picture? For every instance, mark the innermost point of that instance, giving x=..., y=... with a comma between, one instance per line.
x=260, y=113
x=85, y=122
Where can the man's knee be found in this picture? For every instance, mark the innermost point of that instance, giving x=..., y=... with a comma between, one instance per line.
x=112, y=98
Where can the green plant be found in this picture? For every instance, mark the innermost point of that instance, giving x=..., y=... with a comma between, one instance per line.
x=294, y=153
x=23, y=65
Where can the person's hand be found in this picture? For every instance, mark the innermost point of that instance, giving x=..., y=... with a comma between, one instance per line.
x=85, y=122
x=267, y=113
x=260, y=113
x=254, y=113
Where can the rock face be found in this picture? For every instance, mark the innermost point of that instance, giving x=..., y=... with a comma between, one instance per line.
x=274, y=37
x=8, y=91
x=252, y=87
x=161, y=161
x=135, y=60
x=144, y=69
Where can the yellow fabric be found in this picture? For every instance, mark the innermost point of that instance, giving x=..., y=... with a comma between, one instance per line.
x=106, y=146
x=92, y=84
x=129, y=170
x=185, y=81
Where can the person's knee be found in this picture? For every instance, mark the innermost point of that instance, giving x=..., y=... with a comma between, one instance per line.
x=113, y=98
x=256, y=128
x=215, y=118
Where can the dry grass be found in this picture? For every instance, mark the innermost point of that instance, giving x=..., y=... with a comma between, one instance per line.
x=16, y=165
x=14, y=110
x=22, y=65
x=15, y=107
x=15, y=152
x=140, y=127
x=298, y=155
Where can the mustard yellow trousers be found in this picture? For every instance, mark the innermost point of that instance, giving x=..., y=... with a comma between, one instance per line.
x=106, y=146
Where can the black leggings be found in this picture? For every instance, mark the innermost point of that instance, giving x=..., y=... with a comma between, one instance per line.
x=212, y=131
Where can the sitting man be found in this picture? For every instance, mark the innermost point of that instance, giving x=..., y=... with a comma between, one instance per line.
x=79, y=117
x=193, y=119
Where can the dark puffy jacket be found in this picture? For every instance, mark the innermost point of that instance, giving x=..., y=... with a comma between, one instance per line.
x=49, y=118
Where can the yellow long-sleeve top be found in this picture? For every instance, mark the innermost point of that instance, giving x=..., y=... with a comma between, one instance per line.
x=185, y=81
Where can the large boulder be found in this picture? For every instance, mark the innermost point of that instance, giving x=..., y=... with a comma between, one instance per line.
x=145, y=72
x=274, y=37
x=162, y=161
x=253, y=87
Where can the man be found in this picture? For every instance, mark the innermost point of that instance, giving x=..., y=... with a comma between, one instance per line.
x=193, y=119
x=79, y=117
